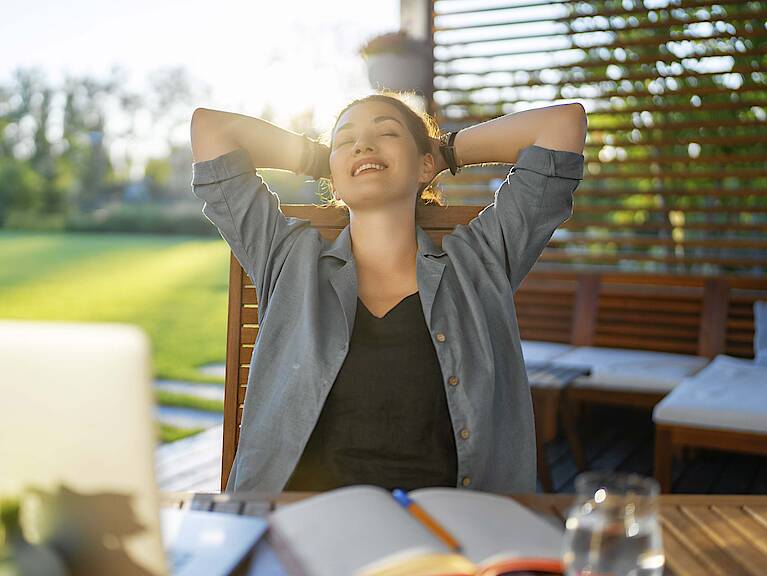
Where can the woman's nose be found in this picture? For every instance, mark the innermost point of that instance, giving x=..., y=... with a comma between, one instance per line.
x=363, y=144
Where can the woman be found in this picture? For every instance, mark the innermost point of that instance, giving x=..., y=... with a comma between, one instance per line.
x=381, y=358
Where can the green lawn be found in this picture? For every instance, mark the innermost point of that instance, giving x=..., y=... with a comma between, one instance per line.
x=175, y=288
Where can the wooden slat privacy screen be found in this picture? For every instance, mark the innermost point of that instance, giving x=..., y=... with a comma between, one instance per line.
x=676, y=95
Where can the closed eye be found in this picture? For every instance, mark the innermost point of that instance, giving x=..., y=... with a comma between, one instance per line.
x=350, y=141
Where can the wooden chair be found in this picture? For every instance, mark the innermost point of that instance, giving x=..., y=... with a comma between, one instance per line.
x=684, y=314
x=243, y=325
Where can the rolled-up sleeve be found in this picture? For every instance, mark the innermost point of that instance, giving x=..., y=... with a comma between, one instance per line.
x=535, y=198
x=247, y=214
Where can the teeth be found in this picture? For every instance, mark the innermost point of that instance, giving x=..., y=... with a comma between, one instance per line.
x=366, y=166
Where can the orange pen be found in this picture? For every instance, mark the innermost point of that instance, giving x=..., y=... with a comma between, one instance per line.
x=430, y=523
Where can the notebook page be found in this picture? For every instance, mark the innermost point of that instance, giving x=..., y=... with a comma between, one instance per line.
x=341, y=531
x=487, y=525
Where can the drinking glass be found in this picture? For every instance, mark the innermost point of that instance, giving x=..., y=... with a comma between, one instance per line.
x=613, y=528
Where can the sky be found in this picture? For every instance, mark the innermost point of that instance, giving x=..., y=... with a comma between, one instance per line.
x=291, y=54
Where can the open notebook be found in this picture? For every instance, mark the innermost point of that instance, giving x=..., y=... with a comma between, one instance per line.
x=362, y=530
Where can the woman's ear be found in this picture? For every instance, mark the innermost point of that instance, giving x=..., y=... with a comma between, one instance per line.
x=428, y=169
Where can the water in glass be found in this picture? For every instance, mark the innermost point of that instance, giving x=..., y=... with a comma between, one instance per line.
x=613, y=528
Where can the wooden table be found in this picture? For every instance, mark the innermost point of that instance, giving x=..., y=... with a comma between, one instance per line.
x=702, y=535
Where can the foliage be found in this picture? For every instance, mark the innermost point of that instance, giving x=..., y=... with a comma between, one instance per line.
x=21, y=188
x=57, y=141
x=150, y=218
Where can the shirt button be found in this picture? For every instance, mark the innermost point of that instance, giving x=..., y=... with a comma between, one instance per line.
x=466, y=481
x=453, y=381
x=464, y=433
x=440, y=337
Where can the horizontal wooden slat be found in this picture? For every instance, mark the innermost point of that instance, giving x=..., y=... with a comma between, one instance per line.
x=470, y=176
x=475, y=83
x=249, y=295
x=734, y=226
x=249, y=315
x=745, y=325
x=246, y=352
x=666, y=330
x=649, y=304
x=551, y=312
x=646, y=317
x=442, y=69
x=718, y=243
x=248, y=335
x=641, y=343
x=442, y=97
x=561, y=256
x=530, y=325
x=548, y=335
x=673, y=19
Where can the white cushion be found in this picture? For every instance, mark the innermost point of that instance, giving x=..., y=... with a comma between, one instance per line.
x=730, y=393
x=539, y=351
x=631, y=370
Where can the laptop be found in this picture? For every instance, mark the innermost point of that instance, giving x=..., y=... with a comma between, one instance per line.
x=77, y=439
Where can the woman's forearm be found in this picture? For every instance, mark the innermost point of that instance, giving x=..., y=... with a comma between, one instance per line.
x=559, y=127
x=215, y=132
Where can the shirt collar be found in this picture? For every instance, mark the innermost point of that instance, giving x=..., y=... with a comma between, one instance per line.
x=341, y=247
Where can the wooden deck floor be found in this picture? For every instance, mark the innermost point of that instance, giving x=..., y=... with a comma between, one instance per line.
x=192, y=464
x=622, y=439
x=614, y=439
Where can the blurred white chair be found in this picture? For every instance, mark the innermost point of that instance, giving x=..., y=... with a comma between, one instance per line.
x=632, y=371
x=536, y=351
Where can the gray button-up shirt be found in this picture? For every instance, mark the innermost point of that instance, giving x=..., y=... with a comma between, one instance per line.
x=307, y=293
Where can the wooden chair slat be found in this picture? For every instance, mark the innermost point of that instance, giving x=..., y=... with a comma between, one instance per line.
x=249, y=315
x=246, y=353
x=653, y=330
x=248, y=335
x=249, y=295
x=641, y=343
x=562, y=336
x=607, y=302
x=629, y=317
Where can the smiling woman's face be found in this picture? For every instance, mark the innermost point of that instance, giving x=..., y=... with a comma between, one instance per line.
x=373, y=136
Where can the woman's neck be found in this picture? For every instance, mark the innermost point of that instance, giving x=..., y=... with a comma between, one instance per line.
x=384, y=240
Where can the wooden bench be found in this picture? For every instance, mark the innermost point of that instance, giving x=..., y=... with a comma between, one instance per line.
x=696, y=315
x=683, y=314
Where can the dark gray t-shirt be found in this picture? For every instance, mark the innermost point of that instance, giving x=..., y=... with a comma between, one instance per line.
x=385, y=421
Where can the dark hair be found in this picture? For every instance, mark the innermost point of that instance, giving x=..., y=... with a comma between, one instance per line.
x=420, y=124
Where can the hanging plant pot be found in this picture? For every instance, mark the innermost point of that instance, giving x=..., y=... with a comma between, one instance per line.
x=399, y=62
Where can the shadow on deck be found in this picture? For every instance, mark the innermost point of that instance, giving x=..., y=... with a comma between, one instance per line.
x=623, y=439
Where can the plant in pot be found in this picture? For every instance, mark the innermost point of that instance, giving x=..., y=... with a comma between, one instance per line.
x=397, y=61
